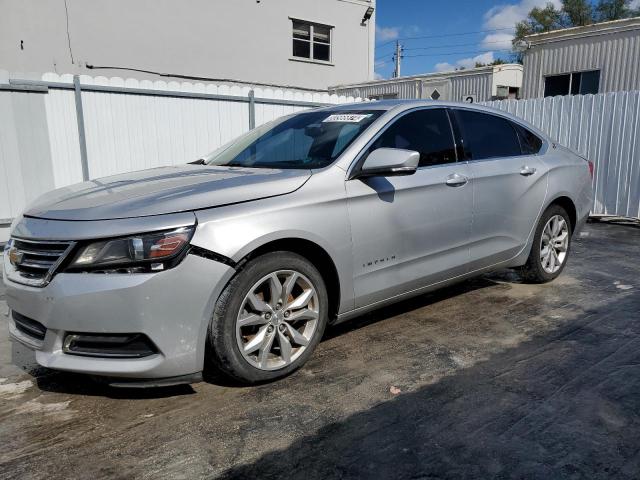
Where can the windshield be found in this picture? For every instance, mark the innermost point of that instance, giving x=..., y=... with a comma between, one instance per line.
x=306, y=140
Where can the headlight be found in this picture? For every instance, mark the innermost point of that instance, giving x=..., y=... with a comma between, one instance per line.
x=138, y=253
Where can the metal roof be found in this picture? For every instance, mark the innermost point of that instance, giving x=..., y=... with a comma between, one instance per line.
x=433, y=75
x=601, y=28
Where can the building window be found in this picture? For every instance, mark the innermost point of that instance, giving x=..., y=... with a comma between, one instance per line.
x=575, y=83
x=311, y=41
x=435, y=95
x=504, y=92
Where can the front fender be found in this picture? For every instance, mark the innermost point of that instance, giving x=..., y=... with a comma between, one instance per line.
x=316, y=213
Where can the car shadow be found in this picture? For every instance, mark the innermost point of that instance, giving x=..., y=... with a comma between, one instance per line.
x=417, y=302
x=80, y=384
x=383, y=187
x=560, y=405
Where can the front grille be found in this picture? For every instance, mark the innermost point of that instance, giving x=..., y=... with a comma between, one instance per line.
x=28, y=326
x=35, y=260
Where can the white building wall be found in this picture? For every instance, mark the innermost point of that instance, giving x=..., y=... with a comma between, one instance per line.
x=243, y=40
x=506, y=76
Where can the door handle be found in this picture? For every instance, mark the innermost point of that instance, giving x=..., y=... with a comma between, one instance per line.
x=525, y=171
x=456, y=180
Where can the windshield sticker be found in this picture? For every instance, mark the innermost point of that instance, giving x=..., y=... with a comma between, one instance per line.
x=346, y=118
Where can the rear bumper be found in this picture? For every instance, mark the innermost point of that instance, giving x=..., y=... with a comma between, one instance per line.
x=172, y=308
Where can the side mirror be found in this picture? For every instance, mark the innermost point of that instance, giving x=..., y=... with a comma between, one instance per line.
x=387, y=162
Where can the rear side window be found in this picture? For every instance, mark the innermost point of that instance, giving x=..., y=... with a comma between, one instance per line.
x=425, y=131
x=487, y=136
x=529, y=141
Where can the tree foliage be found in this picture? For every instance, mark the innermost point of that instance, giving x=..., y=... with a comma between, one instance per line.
x=574, y=13
x=607, y=10
x=577, y=13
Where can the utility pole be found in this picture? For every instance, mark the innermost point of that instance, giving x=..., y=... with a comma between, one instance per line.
x=397, y=58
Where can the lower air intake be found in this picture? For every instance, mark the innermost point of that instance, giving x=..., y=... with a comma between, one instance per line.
x=28, y=326
x=130, y=345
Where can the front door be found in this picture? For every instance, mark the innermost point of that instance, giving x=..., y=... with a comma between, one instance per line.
x=411, y=231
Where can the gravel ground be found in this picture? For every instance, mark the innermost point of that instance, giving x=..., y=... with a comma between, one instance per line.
x=487, y=379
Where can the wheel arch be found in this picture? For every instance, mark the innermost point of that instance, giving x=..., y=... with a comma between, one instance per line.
x=314, y=253
x=569, y=206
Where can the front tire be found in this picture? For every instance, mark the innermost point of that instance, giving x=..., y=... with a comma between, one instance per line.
x=269, y=318
x=550, y=249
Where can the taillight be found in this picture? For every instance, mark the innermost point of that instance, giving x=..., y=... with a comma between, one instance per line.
x=591, y=167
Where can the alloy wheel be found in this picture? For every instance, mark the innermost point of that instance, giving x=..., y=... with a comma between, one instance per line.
x=554, y=244
x=277, y=319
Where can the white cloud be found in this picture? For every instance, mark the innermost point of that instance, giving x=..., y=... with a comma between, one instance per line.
x=384, y=34
x=377, y=76
x=444, y=67
x=635, y=4
x=497, y=41
x=471, y=62
x=506, y=16
x=465, y=62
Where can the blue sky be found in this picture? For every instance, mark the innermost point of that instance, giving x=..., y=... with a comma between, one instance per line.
x=445, y=27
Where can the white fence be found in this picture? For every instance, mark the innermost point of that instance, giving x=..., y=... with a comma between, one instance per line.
x=603, y=128
x=63, y=129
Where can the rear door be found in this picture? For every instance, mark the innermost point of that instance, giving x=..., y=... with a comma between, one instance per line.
x=509, y=184
x=410, y=231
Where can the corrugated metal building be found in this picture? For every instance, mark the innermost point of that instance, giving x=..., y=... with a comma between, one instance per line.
x=473, y=85
x=599, y=58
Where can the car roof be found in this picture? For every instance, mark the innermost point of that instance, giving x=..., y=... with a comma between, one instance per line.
x=400, y=105
x=391, y=104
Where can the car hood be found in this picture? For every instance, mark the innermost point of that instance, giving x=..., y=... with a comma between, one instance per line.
x=164, y=190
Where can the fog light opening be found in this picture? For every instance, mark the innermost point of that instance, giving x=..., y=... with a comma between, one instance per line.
x=130, y=345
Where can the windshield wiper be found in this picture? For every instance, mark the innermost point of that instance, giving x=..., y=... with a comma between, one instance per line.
x=273, y=165
x=200, y=161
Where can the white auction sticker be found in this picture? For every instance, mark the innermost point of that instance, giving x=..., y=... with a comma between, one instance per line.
x=347, y=118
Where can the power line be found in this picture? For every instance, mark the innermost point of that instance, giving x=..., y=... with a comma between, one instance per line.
x=456, y=53
x=438, y=54
x=455, y=45
x=444, y=35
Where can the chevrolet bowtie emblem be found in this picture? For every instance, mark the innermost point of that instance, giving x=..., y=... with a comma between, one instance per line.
x=15, y=256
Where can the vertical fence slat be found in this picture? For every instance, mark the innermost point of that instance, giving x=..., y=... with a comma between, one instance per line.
x=605, y=128
x=82, y=139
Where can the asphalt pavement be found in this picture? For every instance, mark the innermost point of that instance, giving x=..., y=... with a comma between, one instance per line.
x=490, y=378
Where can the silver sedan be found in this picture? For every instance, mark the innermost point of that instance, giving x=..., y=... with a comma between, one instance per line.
x=239, y=261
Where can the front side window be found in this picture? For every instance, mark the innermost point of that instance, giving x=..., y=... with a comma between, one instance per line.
x=576, y=83
x=311, y=41
x=302, y=141
x=486, y=136
x=425, y=131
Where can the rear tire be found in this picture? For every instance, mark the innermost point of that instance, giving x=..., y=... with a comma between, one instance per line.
x=269, y=319
x=551, y=246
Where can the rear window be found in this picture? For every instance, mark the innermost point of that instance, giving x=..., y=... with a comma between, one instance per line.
x=487, y=136
x=529, y=141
